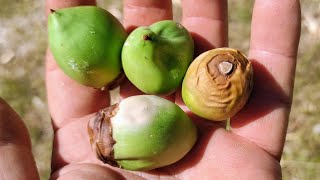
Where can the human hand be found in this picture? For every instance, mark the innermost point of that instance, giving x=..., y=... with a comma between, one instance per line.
x=253, y=147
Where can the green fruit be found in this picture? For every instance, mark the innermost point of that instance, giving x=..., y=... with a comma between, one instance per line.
x=142, y=133
x=155, y=58
x=86, y=42
x=218, y=84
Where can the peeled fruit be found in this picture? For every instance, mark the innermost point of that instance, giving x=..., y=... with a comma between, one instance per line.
x=86, y=42
x=142, y=132
x=218, y=84
x=155, y=58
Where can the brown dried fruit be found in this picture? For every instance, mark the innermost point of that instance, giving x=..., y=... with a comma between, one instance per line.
x=218, y=84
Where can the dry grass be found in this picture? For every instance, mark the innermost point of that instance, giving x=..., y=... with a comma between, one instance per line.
x=22, y=50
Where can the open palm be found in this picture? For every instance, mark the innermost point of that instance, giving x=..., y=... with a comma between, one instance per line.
x=253, y=147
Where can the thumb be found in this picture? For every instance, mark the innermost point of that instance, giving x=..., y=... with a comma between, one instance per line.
x=16, y=159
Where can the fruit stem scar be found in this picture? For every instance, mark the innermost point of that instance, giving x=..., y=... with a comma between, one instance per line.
x=52, y=10
x=225, y=67
x=146, y=37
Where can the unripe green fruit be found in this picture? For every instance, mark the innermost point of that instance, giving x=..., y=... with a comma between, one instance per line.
x=155, y=58
x=142, y=133
x=86, y=42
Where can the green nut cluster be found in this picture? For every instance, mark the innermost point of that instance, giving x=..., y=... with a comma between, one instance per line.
x=146, y=132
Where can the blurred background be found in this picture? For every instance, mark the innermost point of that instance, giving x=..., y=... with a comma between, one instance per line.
x=22, y=50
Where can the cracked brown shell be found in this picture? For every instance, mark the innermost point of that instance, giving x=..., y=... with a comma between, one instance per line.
x=100, y=134
x=218, y=84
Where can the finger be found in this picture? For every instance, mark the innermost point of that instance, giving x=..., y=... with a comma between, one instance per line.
x=68, y=99
x=92, y=171
x=72, y=144
x=207, y=21
x=16, y=159
x=143, y=13
x=273, y=50
x=58, y=4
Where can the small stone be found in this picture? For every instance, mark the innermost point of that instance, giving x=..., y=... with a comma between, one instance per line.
x=6, y=57
x=316, y=129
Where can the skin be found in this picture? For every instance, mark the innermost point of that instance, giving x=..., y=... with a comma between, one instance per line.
x=251, y=150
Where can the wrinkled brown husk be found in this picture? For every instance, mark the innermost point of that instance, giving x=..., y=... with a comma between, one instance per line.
x=100, y=133
x=220, y=95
